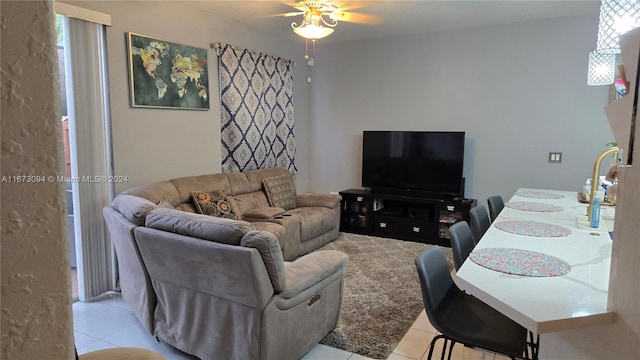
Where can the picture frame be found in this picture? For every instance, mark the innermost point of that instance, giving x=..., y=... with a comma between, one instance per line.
x=165, y=74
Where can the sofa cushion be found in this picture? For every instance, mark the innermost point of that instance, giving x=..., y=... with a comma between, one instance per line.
x=205, y=227
x=278, y=192
x=166, y=205
x=269, y=249
x=185, y=186
x=314, y=221
x=133, y=208
x=254, y=180
x=187, y=207
x=164, y=190
x=215, y=203
x=248, y=201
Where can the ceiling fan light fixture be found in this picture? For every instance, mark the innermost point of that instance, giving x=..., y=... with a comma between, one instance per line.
x=316, y=22
x=313, y=31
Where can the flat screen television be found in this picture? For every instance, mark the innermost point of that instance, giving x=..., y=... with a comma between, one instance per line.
x=423, y=162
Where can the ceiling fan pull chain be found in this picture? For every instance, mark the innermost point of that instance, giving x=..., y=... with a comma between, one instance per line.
x=306, y=49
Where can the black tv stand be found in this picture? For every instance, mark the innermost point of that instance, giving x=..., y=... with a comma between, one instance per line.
x=402, y=215
x=421, y=193
x=409, y=193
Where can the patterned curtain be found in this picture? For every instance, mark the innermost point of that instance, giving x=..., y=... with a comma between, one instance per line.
x=256, y=94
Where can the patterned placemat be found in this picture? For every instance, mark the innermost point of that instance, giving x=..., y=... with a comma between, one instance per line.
x=520, y=262
x=533, y=206
x=532, y=228
x=539, y=194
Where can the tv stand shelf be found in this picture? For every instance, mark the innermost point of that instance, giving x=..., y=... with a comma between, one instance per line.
x=419, y=219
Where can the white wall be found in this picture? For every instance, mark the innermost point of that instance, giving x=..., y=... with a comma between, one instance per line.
x=158, y=144
x=519, y=91
x=36, y=287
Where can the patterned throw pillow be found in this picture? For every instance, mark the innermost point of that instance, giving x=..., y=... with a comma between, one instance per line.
x=214, y=203
x=278, y=192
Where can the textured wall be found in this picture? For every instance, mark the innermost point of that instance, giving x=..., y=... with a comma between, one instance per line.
x=36, y=290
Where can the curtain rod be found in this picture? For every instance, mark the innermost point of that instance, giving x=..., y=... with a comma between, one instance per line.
x=217, y=47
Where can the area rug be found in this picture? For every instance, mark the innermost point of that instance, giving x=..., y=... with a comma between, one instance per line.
x=382, y=296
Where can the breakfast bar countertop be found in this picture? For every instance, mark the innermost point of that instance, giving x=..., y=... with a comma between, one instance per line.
x=565, y=266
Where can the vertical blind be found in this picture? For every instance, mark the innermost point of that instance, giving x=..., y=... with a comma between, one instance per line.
x=88, y=107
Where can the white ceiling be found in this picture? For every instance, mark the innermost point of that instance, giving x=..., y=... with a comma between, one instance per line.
x=401, y=17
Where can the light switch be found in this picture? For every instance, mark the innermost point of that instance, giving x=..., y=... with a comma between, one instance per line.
x=555, y=157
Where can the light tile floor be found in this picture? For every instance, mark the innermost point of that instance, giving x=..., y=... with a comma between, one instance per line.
x=108, y=322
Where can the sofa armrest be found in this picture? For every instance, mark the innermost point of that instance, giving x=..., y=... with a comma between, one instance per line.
x=323, y=200
x=133, y=208
x=262, y=213
x=312, y=269
x=269, y=249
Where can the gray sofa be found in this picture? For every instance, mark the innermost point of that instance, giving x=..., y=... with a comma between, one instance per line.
x=219, y=288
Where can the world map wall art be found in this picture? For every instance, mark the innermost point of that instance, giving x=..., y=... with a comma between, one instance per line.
x=163, y=74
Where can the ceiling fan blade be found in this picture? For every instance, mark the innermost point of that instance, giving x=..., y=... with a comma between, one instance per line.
x=358, y=18
x=288, y=14
x=353, y=5
x=294, y=13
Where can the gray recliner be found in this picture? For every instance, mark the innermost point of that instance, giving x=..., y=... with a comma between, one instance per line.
x=224, y=292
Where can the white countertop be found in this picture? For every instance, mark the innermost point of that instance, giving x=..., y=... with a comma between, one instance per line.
x=547, y=304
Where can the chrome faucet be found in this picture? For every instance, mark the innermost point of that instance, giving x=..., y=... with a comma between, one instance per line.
x=596, y=175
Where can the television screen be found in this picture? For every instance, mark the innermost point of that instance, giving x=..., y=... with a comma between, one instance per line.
x=413, y=160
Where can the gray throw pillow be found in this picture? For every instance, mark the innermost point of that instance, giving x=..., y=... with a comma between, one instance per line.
x=278, y=192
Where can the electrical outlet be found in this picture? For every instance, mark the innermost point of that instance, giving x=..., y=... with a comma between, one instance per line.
x=555, y=157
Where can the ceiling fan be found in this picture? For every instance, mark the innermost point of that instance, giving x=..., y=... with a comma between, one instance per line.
x=320, y=17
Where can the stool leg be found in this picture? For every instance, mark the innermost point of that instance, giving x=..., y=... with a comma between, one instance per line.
x=444, y=348
x=534, y=345
x=433, y=343
x=451, y=349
